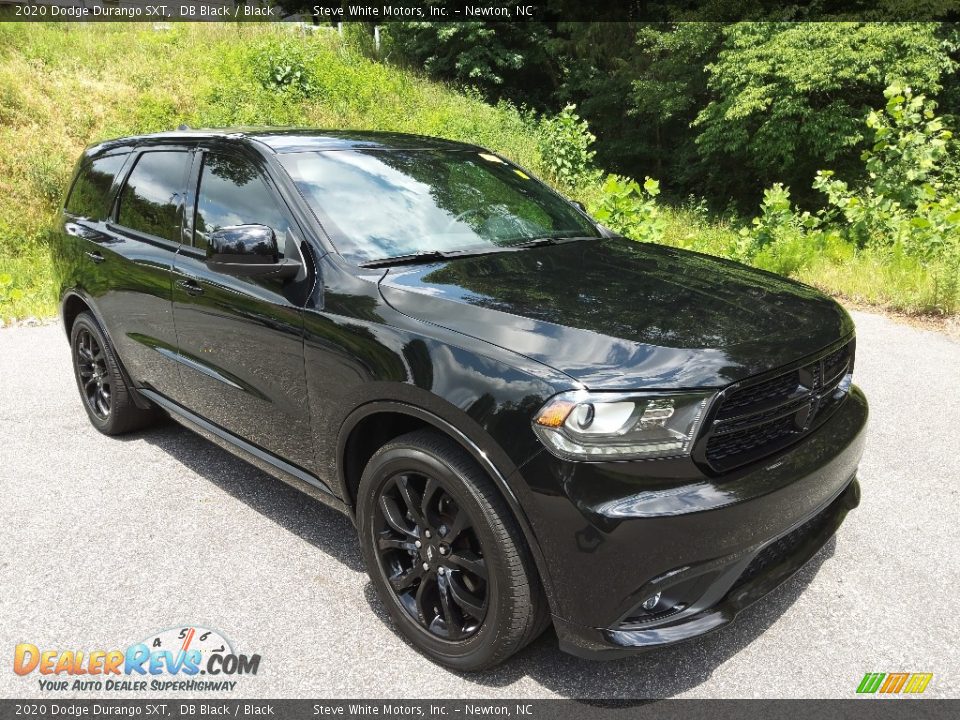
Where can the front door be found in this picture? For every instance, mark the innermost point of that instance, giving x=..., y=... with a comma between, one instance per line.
x=241, y=339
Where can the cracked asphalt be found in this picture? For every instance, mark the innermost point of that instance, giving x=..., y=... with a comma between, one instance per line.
x=105, y=541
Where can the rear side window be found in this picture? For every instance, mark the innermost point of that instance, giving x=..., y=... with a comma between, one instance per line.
x=90, y=197
x=150, y=201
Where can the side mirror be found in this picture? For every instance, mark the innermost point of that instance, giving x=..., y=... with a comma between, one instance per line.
x=579, y=205
x=248, y=251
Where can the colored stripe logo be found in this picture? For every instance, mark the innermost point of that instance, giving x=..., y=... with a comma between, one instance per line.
x=893, y=683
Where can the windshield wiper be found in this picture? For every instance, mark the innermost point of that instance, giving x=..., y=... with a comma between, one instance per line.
x=426, y=256
x=540, y=241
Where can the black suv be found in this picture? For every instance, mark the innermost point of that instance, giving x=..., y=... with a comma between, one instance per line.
x=531, y=420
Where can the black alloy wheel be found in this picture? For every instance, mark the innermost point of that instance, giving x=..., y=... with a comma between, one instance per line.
x=106, y=397
x=445, y=553
x=431, y=555
x=92, y=369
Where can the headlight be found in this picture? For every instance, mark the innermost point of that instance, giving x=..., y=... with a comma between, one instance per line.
x=579, y=425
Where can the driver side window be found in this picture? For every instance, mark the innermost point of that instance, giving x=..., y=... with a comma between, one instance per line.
x=233, y=192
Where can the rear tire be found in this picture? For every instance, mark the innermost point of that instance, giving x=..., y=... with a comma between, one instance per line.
x=446, y=555
x=104, y=392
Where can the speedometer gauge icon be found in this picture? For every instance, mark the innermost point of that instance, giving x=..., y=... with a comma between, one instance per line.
x=187, y=638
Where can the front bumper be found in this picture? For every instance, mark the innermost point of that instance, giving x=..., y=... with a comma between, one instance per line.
x=616, y=534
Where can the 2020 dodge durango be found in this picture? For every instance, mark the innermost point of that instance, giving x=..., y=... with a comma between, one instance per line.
x=531, y=420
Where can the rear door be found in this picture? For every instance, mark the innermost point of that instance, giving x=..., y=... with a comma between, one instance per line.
x=240, y=338
x=84, y=245
x=133, y=260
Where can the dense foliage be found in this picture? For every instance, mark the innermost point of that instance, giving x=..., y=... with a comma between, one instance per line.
x=879, y=224
x=906, y=210
x=718, y=110
x=502, y=60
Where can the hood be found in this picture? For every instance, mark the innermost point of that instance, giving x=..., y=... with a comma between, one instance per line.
x=614, y=313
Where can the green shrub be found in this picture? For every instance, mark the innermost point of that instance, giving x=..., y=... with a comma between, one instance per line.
x=908, y=198
x=282, y=65
x=779, y=240
x=909, y=203
x=48, y=173
x=26, y=288
x=785, y=98
x=8, y=292
x=630, y=209
x=906, y=209
x=565, y=145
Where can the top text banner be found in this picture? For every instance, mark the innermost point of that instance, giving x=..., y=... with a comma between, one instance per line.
x=327, y=13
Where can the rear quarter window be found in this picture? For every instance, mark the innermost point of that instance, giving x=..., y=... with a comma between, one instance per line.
x=90, y=195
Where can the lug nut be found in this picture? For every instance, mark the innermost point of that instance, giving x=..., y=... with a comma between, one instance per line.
x=426, y=534
x=426, y=566
x=443, y=550
x=442, y=571
x=417, y=543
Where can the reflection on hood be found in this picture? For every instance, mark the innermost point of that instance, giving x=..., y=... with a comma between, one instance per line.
x=615, y=313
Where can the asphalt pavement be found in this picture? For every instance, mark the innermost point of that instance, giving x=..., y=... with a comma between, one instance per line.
x=104, y=542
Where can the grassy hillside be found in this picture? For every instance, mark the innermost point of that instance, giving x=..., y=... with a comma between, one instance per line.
x=63, y=87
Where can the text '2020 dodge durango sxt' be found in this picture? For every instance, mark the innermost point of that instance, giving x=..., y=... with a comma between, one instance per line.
x=531, y=420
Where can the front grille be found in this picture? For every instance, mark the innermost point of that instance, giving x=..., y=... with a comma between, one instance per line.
x=758, y=419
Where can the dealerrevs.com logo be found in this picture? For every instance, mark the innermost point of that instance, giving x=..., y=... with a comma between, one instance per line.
x=187, y=658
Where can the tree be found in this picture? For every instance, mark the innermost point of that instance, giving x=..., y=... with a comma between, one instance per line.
x=786, y=99
x=501, y=60
x=714, y=109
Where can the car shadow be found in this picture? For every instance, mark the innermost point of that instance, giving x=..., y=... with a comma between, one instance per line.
x=652, y=675
x=321, y=526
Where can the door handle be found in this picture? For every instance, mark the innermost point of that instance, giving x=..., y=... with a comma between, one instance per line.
x=191, y=287
x=95, y=256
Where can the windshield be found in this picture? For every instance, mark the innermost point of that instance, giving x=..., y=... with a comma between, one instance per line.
x=379, y=204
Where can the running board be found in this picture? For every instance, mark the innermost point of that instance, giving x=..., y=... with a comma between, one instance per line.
x=269, y=463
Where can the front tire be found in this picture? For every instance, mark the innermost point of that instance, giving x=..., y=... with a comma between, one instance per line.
x=105, y=394
x=446, y=555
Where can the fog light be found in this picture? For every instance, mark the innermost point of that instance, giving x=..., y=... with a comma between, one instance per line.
x=651, y=602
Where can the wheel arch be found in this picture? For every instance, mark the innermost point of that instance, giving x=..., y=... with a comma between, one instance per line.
x=75, y=302
x=390, y=419
x=71, y=305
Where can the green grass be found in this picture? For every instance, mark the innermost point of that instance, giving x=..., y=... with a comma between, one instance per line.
x=63, y=87
x=884, y=279
x=26, y=287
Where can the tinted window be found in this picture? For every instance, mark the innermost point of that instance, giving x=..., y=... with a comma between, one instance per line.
x=90, y=197
x=232, y=192
x=382, y=203
x=150, y=201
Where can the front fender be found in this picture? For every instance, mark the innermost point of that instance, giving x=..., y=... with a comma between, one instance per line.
x=473, y=439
